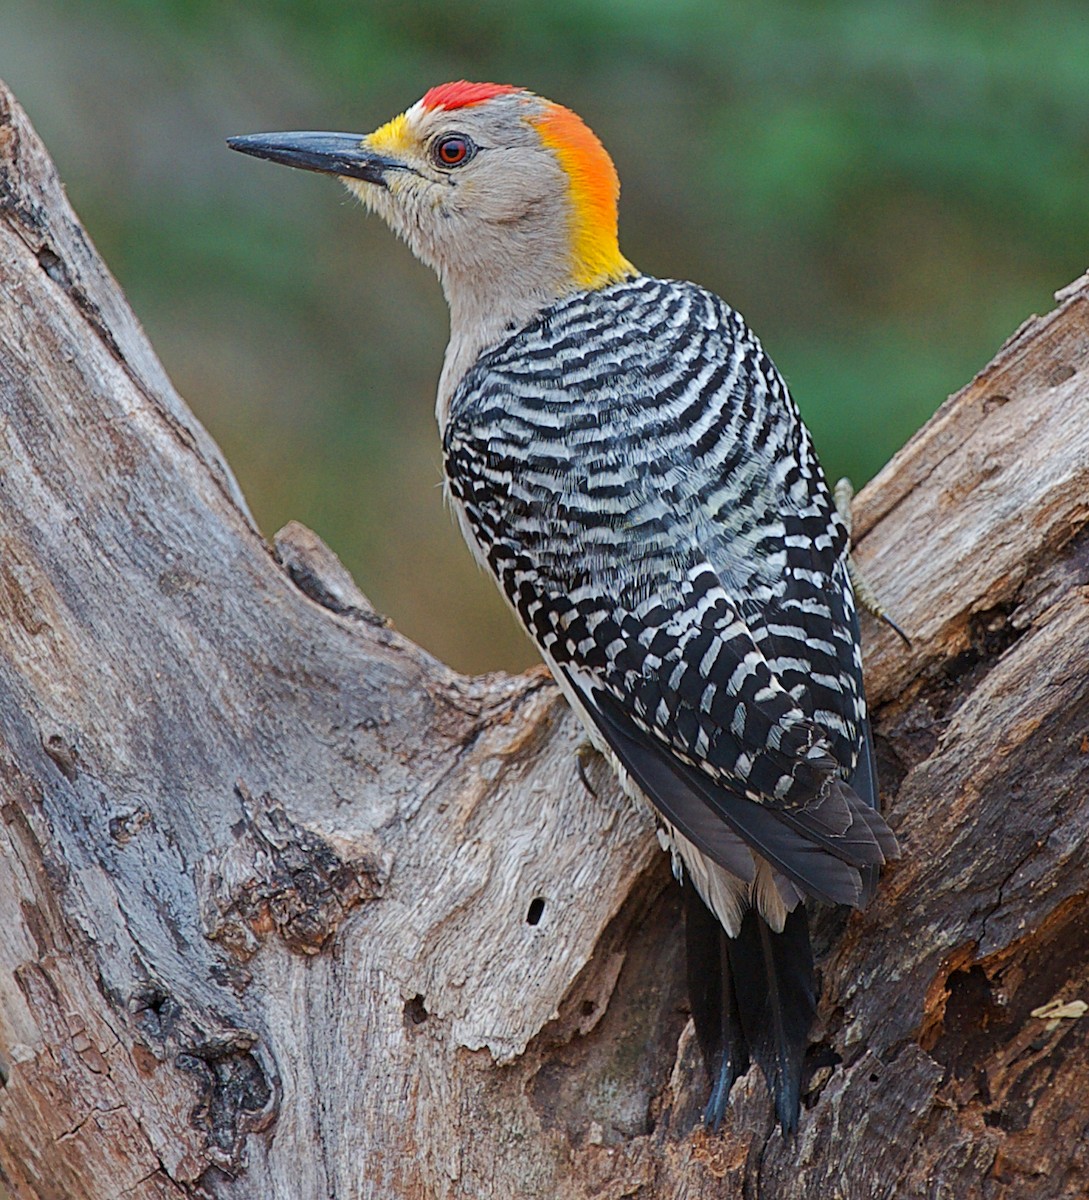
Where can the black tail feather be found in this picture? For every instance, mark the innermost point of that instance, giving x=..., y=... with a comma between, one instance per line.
x=776, y=995
x=714, y=1004
x=753, y=995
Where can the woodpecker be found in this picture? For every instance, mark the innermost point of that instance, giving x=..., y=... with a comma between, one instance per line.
x=625, y=459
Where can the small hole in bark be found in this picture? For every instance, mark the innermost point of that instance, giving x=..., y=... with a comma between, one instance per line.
x=415, y=1012
x=820, y=1061
x=588, y=1008
x=536, y=911
x=821, y=1054
x=53, y=265
x=63, y=754
x=155, y=1012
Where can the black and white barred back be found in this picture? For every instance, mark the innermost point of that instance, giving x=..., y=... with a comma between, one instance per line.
x=634, y=472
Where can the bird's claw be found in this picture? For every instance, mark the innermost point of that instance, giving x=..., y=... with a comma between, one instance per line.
x=844, y=494
x=583, y=754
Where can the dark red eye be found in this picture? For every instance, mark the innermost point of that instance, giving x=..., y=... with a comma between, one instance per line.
x=452, y=151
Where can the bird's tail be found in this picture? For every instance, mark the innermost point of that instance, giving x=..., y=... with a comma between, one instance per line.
x=752, y=996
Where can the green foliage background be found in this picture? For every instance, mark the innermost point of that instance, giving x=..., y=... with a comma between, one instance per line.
x=885, y=188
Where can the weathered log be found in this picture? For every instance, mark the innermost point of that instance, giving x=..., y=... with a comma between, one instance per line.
x=289, y=909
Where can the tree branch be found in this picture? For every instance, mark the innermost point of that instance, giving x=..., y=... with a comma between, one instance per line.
x=292, y=910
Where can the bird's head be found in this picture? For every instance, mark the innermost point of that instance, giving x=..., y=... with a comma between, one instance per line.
x=490, y=185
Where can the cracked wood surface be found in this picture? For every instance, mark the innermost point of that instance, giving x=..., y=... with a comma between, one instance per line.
x=268, y=869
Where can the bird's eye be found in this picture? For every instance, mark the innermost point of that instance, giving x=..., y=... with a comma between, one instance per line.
x=453, y=150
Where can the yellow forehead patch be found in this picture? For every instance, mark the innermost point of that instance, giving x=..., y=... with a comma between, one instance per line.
x=393, y=138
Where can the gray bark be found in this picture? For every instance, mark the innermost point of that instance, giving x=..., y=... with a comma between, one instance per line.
x=272, y=878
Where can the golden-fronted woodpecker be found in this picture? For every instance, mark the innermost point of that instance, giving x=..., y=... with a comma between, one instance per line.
x=625, y=459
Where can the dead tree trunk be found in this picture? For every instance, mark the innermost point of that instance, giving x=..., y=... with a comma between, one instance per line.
x=291, y=910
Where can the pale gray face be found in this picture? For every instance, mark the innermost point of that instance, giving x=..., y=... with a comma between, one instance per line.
x=476, y=191
x=509, y=198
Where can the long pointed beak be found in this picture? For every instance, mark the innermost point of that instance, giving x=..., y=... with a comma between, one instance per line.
x=331, y=153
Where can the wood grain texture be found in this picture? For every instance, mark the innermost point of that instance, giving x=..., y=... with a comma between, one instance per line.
x=289, y=909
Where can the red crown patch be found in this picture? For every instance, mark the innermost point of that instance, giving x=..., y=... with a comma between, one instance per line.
x=463, y=94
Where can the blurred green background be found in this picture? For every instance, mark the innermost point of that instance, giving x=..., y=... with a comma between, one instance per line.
x=885, y=188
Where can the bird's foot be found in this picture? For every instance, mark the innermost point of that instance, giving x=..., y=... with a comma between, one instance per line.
x=584, y=755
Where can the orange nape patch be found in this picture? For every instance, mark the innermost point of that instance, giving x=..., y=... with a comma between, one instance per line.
x=463, y=94
x=595, y=190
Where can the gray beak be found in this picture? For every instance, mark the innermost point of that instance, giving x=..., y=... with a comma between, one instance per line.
x=331, y=153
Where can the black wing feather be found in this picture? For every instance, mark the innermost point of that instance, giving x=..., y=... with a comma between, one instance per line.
x=694, y=804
